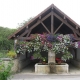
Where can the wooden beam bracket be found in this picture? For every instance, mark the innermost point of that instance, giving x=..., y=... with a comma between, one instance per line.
x=66, y=23
x=58, y=28
x=39, y=21
x=45, y=27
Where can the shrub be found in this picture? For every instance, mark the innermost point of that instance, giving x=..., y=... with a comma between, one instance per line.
x=5, y=71
x=11, y=54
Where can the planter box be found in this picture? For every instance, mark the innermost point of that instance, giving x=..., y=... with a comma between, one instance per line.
x=62, y=68
x=46, y=69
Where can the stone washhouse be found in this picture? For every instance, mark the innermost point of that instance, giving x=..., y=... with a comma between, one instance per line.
x=51, y=20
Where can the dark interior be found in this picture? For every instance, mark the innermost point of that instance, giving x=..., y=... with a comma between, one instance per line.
x=63, y=30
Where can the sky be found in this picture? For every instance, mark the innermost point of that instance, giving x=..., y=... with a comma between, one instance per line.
x=14, y=12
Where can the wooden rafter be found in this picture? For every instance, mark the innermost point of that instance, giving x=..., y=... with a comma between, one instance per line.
x=24, y=38
x=29, y=33
x=30, y=21
x=67, y=17
x=34, y=25
x=58, y=28
x=75, y=34
x=41, y=20
x=26, y=31
x=45, y=27
x=76, y=27
x=66, y=23
x=52, y=22
x=76, y=37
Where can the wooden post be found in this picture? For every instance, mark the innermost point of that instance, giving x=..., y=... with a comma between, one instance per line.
x=15, y=42
x=52, y=22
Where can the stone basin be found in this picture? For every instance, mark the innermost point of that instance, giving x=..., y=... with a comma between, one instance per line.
x=46, y=69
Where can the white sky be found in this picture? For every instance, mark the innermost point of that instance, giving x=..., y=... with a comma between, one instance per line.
x=13, y=12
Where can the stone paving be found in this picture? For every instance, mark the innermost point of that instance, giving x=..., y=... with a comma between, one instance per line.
x=29, y=74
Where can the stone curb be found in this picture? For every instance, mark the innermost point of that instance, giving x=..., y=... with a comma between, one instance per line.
x=50, y=74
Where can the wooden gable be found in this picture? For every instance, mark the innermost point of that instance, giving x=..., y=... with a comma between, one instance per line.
x=51, y=20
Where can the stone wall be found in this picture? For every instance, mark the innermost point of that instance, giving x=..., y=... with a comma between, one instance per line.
x=23, y=61
x=15, y=64
x=76, y=61
x=78, y=54
x=18, y=63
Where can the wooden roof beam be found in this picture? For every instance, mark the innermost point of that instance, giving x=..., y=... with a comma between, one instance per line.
x=66, y=23
x=66, y=16
x=76, y=27
x=35, y=25
x=29, y=33
x=41, y=20
x=24, y=38
x=75, y=34
x=26, y=31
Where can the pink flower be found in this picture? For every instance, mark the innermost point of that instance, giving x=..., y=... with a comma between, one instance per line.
x=31, y=58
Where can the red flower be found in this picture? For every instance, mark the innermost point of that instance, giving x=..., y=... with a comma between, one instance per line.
x=58, y=60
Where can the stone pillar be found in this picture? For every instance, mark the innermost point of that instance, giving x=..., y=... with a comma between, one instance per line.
x=51, y=57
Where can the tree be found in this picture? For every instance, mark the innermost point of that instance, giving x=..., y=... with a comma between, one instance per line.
x=4, y=42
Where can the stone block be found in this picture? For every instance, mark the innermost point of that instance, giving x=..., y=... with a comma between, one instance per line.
x=45, y=69
x=62, y=68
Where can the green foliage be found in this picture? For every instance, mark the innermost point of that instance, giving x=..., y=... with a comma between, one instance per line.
x=3, y=53
x=37, y=55
x=5, y=44
x=5, y=71
x=11, y=54
x=44, y=59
